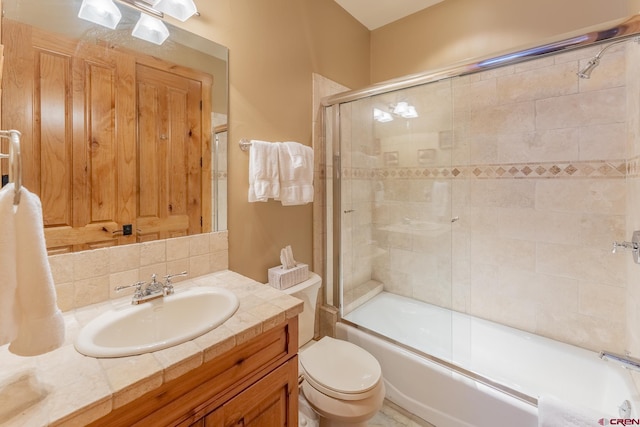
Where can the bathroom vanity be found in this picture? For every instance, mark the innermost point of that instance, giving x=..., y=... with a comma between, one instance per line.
x=243, y=372
x=255, y=383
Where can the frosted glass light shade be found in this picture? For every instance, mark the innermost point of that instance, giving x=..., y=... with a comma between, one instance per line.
x=150, y=29
x=101, y=12
x=179, y=9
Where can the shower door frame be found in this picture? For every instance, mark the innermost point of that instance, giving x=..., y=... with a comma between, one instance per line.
x=611, y=31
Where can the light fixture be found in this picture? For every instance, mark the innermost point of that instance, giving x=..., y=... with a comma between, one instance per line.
x=101, y=12
x=150, y=29
x=404, y=109
x=381, y=116
x=179, y=9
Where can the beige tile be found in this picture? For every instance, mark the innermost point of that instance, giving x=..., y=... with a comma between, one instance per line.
x=542, y=146
x=600, y=196
x=180, y=359
x=65, y=296
x=603, y=142
x=199, y=265
x=153, y=252
x=62, y=268
x=219, y=241
x=583, y=109
x=270, y=314
x=131, y=377
x=159, y=269
x=91, y=291
x=178, y=248
x=123, y=258
x=552, y=81
x=245, y=326
x=581, y=262
x=219, y=261
x=89, y=264
x=512, y=118
x=198, y=245
x=603, y=301
x=216, y=342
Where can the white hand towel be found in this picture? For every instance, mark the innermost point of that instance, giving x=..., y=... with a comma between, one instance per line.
x=41, y=326
x=8, y=281
x=553, y=412
x=298, y=153
x=264, y=181
x=296, y=183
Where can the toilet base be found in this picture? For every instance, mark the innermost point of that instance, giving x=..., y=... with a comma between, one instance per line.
x=324, y=422
x=343, y=413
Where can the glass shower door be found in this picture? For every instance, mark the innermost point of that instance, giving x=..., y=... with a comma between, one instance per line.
x=396, y=215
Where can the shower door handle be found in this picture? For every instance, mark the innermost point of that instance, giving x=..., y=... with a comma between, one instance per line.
x=349, y=211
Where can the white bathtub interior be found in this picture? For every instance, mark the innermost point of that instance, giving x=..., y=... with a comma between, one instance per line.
x=516, y=361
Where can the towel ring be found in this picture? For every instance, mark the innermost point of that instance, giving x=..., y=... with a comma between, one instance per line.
x=15, y=161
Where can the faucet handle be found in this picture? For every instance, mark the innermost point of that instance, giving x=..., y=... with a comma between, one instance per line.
x=168, y=286
x=137, y=285
x=168, y=277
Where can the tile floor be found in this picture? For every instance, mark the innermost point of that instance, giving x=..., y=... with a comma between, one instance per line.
x=392, y=416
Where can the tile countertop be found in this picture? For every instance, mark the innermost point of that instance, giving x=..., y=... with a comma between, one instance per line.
x=66, y=388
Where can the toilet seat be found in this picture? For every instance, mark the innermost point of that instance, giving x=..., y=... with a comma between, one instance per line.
x=340, y=369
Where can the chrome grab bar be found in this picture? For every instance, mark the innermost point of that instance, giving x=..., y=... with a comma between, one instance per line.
x=627, y=362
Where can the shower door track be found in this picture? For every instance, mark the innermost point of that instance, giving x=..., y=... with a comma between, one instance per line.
x=451, y=366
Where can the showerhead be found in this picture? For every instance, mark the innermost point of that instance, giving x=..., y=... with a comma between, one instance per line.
x=585, y=73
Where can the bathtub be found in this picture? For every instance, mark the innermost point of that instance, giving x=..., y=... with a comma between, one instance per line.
x=455, y=370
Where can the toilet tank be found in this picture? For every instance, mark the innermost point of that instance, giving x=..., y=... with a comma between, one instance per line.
x=307, y=291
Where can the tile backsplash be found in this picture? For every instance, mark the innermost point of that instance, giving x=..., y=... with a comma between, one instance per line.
x=89, y=277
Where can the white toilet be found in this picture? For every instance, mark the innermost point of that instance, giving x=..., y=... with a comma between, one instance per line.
x=342, y=382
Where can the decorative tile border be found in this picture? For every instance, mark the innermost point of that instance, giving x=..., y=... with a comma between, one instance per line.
x=587, y=169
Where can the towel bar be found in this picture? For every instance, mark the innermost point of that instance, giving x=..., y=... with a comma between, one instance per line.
x=15, y=161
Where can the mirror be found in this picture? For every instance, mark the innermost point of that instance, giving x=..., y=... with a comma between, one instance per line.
x=103, y=127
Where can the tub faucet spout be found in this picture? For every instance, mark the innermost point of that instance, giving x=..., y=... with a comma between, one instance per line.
x=627, y=362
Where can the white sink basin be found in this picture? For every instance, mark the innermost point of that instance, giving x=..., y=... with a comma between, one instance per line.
x=157, y=324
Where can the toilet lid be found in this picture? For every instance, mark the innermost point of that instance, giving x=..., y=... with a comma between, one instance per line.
x=338, y=367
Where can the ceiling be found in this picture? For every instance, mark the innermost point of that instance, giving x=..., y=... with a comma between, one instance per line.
x=376, y=13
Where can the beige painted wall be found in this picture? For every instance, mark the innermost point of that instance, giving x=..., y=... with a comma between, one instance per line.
x=459, y=30
x=274, y=47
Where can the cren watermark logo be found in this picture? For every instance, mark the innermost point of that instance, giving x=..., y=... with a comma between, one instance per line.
x=619, y=421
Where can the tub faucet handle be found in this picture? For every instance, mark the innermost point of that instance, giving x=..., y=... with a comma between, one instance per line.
x=633, y=245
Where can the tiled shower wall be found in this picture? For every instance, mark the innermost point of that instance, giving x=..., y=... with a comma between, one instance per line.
x=531, y=163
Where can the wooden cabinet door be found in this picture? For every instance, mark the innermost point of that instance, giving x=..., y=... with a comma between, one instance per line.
x=75, y=106
x=169, y=154
x=270, y=402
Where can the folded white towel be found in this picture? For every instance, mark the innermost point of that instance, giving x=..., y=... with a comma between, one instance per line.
x=264, y=181
x=298, y=153
x=41, y=326
x=553, y=412
x=8, y=281
x=296, y=174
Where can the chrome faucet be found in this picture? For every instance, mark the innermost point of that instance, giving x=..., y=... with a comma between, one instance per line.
x=625, y=361
x=153, y=290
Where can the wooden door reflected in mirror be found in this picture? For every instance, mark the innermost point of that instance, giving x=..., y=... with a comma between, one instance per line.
x=110, y=139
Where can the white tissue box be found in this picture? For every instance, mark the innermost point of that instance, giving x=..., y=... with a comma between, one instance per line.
x=280, y=278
